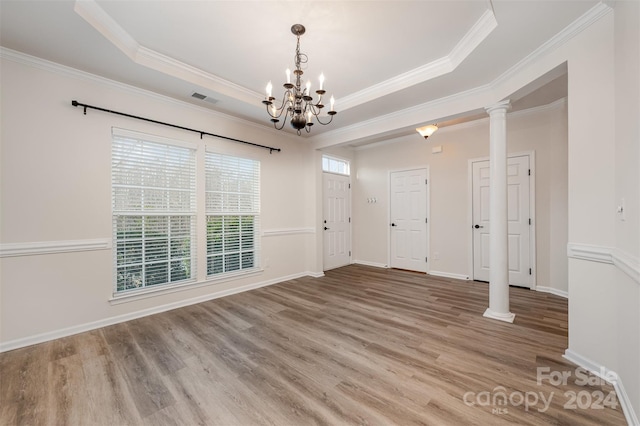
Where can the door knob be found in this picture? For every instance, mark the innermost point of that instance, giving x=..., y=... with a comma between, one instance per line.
x=478, y=226
x=393, y=224
x=325, y=228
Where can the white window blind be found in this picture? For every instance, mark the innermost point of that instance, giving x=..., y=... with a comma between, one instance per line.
x=154, y=208
x=233, y=214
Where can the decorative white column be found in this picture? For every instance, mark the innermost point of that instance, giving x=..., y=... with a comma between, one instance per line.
x=498, y=236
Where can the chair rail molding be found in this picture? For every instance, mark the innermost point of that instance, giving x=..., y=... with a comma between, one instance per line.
x=52, y=247
x=622, y=260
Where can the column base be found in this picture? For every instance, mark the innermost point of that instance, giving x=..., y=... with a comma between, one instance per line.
x=508, y=317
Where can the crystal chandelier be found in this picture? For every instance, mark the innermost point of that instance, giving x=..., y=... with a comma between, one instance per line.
x=297, y=103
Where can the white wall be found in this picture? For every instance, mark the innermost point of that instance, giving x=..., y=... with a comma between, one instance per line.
x=604, y=294
x=56, y=187
x=542, y=130
x=627, y=187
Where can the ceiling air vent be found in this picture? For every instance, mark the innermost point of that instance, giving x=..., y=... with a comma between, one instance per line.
x=204, y=98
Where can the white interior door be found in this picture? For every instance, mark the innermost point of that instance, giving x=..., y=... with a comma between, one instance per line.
x=337, y=220
x=409, y=220
x=518, y=216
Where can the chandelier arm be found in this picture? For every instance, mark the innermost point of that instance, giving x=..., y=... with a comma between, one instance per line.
x=282, y=108
x=275, y=123
x=315, y=110
x=274, y=116
x=324, y=124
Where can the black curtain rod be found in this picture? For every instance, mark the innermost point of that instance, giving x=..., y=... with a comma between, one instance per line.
x=85, y=106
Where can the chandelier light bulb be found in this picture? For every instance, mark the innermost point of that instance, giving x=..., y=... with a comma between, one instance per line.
x=332, y=102
x=269, y=89
x=308, y=87
x=321, y=81
x=288, y=71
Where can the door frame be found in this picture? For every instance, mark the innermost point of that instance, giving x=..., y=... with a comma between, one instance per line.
x=428, y=197
x=532, y=211
x=350, y=216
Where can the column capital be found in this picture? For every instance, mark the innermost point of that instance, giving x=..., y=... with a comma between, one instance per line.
x=502, y=106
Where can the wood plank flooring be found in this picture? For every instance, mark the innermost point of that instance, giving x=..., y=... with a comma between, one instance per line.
x=361, y=345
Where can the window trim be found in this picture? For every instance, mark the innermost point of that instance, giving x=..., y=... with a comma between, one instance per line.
x=191, y=212
x=169, y=288
x=330, y=158
x=255, y=213
x=199, y=277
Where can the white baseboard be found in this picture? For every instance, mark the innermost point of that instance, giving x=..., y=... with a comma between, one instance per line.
x=76, y=329
x=449, y=275
x=367, y=263
x=552, y=290
x=604, y=373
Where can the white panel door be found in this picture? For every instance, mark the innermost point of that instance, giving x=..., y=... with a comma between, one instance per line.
x=518, y=215
x=409, y=220
x=337, y=220
x=480, y=185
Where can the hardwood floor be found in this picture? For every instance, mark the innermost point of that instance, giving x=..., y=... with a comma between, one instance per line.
x=359, y=346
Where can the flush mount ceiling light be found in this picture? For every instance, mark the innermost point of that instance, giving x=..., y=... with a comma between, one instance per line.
x=427, y=131
x=297, y=103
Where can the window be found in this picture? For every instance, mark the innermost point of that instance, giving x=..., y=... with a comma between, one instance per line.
x=154, y=207
x=335, y=165
x=233, y=213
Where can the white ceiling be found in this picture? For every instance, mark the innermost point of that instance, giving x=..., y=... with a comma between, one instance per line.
x=377, y=56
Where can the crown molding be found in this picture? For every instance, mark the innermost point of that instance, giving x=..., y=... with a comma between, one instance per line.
x=476, y=34
x=541, y=108
x=102, y=22
x=474, y=123
x=63, y=70
x=576, y=27
x=337, y=134
x=407, y=117
x=95, y=16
